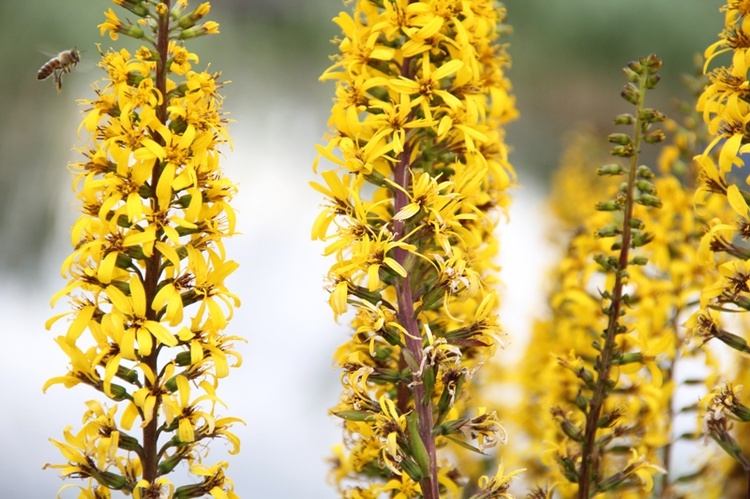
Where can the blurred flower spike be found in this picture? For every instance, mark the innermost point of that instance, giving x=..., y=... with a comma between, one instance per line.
x=420, y=180
x=146, y=277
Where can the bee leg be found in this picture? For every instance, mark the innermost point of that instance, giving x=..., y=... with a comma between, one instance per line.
x=57, y=76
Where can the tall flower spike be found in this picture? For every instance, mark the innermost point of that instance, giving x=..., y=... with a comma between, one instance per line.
x=148, y=270
x=422, y=171
x=602, y=384
x=725, y=301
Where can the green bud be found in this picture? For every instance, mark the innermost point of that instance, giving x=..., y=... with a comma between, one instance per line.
x=571, y=430
x=110, y=480
x=610, y=230
x=654, y=137
x=636, y=67
x=182, y=359
x=608, y=263
x=607, y=206
x=631, y=75
x=628, y=358
x=622, y=151
x=644, y=171
x=119, y=392
x=624, y=119
x=171, y=384
x=631, y=93
x=353, y=415
x=411, y=468
x=652, y=81
x=636, y=223
x=639, y=260
x=170, y=463
x=737, y=342
x=130, y=30
x=648, y=200
x=650, y=115
x=619, y=138
x=610, y=169
x=641, y=239
x=135, y=6
x=123, y=261
x=129, y=375
x=582, y=402
x=645, y=186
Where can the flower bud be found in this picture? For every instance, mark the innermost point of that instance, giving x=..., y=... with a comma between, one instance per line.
x=648, y=200
x=610, y=230
x=641, y=239
x=623, y=151
x=134, y=6
x=652, y=81
x=639, y=260
x=654, y=137
x=651, y=115
x=636, y=67
x=631, y=93
x=631, y=75
x=207, y=28
x=645, y=186
x=607, y=206
x=610, y=169
x=636, y=223
x=619, y=138
x=624, y=119
x=644, y=171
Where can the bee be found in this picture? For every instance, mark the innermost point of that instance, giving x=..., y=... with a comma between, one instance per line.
x=62, y=63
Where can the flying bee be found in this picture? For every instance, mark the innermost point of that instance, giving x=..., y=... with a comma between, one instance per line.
x=62, y=63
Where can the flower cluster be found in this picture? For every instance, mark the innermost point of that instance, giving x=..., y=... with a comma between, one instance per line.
x=146, y=277
x=410, y=211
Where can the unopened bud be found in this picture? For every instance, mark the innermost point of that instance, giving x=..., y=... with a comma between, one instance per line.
x=654, y=137
x=631, y=93
x=624, y=119
x=641, y=239
x=610, y=230
x=652, y=81
x=607, y=206
x=648, y=200
x=644, y=171
x=652, y=115
x=645, y=186
x=619, y=138
x=610, y=169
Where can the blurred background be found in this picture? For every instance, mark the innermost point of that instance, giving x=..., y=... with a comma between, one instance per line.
x=566, y=69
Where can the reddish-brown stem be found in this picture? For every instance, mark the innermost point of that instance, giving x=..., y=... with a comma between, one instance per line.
x=151, y=277
x=407, y=318
x=591, y=457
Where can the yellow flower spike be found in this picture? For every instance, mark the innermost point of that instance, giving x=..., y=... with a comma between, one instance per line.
x=132, y=265
x=394, y=215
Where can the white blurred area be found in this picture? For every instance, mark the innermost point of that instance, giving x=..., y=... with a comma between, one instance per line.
x=288, y=381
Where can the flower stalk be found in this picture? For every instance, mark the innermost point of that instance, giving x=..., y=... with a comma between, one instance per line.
x=644, y=74
x=148, y=246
